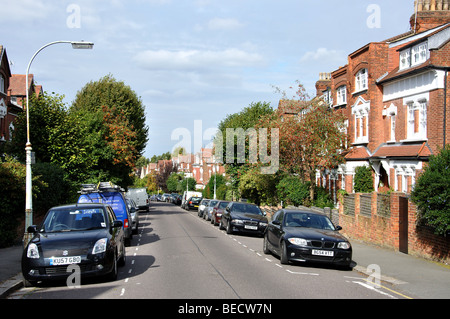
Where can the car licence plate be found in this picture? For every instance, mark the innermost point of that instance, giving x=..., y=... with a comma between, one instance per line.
x=328, y=253
x=55, y=261
x=251, y=227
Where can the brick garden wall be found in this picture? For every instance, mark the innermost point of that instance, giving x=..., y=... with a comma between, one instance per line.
x=382, y=226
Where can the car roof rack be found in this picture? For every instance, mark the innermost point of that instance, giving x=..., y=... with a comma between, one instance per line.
x=99, y=188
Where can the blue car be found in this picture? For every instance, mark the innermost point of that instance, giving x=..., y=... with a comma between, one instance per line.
x=108, y=193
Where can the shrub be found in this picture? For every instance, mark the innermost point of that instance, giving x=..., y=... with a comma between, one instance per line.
x=363, y=180
x=431, y=193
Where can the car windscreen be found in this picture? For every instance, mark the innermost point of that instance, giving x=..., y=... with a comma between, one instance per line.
x=246, y=208
x=308, y=220
x=114, y=199
x=222, y=205
x=74, y=219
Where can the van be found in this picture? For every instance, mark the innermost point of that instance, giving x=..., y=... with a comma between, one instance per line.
x=108, y=193
x=140, y=197
x=187, y=195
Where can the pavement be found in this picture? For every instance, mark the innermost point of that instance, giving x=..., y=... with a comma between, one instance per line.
x=405, y=275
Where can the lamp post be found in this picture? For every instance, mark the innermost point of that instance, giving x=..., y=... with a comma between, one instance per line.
x=28, y=148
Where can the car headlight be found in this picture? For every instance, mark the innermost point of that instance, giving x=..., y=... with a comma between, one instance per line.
x=100, y=246
x=263, y=224
x=343, y=245
x=33, y=251
x=298, y=241
x=238, y=221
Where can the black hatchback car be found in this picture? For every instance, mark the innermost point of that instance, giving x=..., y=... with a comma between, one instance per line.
x=87, y=235
x=243, y=217
x=304, y=235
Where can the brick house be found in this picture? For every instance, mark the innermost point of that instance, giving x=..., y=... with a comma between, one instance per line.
x=394, y=94
x=12, y=95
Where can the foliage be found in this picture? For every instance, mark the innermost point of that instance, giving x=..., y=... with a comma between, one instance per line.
x=363, y=182
x=431, y=193
x=293, y=191
x=311, y=136
x=246, y=119
x=221, y=181
x=121, y=101
x=191, y=184
x=258, y=188
x=173, y=183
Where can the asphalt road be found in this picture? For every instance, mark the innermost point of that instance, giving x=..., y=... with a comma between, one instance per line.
x=177, y=255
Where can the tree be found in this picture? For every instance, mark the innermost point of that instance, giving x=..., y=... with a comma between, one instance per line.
x=431, y=193
x=311, y=136
x=246, y=119
x=121, y=101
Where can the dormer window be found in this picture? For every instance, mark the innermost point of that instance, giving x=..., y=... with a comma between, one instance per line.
x=414, y=56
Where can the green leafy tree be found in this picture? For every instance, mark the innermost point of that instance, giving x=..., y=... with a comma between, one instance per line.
x=431, y=193
x=246, y=119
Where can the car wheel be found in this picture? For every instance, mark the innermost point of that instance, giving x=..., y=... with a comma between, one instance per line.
x=220, y=225
x=113, y=275
x=123, y=259
x=229, y=228
x=283, y=254
x=266, y=249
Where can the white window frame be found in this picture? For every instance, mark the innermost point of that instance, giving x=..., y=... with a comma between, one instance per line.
x=412, y=106
x=362, y=80
x=414, y=56
x=2, y=84
x=341, y=95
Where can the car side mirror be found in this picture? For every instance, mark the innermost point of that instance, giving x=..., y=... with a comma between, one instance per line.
x=276, y=222
x=117, y=224
x=32, y=229
x=338, y=228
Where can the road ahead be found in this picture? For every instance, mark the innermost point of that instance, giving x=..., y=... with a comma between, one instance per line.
x=177, y=255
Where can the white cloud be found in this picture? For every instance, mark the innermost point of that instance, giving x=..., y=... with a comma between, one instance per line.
x=24, y=10
x=323, y=54
x=196, y=60
x=224, y=24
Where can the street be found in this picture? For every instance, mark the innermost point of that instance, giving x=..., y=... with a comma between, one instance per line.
x=177, y=255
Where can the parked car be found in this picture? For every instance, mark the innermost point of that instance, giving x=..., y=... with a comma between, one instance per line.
x=186, y=196
x=113, y=195
x=134, y=212
x=304, y=235
x=217, y=211
x=87, y=235
x=193, y=203
x=202, y=206
x=243, y=217
x=208, y=209
x=139, y=196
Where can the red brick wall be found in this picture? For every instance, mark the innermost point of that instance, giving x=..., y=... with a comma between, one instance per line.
x=384, y=231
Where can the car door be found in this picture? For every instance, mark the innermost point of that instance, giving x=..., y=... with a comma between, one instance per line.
x=275, y=229
x=117, y=234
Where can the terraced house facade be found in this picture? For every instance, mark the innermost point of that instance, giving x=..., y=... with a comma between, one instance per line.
x=395, y=94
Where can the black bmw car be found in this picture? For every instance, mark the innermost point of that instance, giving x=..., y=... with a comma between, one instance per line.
x=303, y=235
x=86, y=235
x=243, y=217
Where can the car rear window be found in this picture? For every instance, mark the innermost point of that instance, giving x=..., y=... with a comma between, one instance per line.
x=114, y=199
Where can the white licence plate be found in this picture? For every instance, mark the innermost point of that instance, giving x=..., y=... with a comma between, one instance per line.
x=251, y=227
x=55, y=261
x=328, y=253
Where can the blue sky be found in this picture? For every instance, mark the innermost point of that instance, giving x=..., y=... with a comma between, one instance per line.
x=193, y=60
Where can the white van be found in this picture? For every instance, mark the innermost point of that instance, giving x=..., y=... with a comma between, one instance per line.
x=140, y=197
x=187, y=195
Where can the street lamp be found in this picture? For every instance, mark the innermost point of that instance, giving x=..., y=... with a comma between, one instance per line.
x=28, y=149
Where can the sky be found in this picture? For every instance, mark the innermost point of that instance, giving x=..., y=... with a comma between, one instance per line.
x=193, y=62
